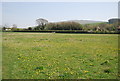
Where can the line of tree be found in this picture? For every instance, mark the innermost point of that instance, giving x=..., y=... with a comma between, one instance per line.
x=43, y=24
x=105, y=26
x=64, y=26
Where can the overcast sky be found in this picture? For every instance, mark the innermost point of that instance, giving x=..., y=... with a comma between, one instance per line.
x=24, y=14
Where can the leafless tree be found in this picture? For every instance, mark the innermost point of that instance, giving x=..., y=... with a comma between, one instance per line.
x=6, y=26
x=41, y=23
x=14, y=26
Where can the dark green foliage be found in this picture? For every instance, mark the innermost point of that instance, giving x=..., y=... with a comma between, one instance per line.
x=39, y=27
x=3, y=28
x=71, y=27
x=103, y=27
x=39, y=68
x=29, y=28
x=64, y=26
x=104, y=63
x=66, y=31
x=107, y=71
x=15, y=29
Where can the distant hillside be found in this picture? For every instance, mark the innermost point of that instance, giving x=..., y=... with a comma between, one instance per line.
x=86, y=21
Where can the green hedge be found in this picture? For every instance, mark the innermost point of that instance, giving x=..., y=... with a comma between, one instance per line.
x=66, y=31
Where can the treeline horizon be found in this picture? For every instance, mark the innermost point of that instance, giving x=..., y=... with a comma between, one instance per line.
x=43, y=24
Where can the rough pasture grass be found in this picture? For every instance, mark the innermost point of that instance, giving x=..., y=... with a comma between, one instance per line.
x=54, y=56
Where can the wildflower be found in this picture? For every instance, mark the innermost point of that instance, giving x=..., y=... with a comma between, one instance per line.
x=86, y=71
x=37, y=73
x=71, y=72
x=91, y=64
x=39, y=70
x=68, y=68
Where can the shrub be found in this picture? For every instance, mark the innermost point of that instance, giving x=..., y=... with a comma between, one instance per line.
x=64, y=26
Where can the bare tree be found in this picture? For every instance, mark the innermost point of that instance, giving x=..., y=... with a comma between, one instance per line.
x=14, y=26
x=41, y=23
x=6, y=26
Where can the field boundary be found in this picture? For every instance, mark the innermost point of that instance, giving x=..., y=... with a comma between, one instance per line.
x=68, y=31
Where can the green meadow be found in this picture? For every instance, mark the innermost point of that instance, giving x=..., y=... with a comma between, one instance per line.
x=59, y=56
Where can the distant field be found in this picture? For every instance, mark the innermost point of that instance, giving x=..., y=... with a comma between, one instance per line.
x=55, y=56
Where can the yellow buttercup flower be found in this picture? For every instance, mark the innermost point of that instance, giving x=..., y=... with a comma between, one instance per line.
x=71, y=72
x=86, y=71
x=37, y=73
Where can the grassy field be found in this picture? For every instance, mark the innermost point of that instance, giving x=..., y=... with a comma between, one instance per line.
x=55, y=56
